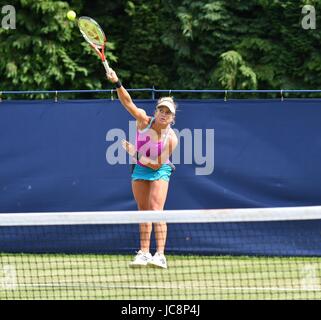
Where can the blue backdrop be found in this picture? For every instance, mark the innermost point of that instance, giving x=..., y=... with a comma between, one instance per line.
x=266, y=154
x=53, y=155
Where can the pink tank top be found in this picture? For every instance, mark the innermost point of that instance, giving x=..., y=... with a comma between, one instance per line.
x=147, y=147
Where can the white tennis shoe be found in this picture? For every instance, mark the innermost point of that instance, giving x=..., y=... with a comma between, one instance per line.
x=158, y=260
x=141, y=259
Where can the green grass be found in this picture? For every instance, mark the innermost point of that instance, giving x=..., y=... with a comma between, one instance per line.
x=35, y=276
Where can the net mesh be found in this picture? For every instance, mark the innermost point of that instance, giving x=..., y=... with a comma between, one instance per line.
x=211, y=254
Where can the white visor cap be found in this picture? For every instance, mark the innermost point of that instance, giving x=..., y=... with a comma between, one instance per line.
x=168, y=104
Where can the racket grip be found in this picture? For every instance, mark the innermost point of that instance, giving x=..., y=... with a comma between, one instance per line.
x=172, y=166
x=106, y=65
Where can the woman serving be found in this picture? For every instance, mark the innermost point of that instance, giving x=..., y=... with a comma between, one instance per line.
x=155, y=142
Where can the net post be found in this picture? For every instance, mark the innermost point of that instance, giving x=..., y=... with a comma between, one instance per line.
x=153, y=93
x=112, y=94
x=225, y=97
x=282, y=97
x=56, y=96
x=0, y=96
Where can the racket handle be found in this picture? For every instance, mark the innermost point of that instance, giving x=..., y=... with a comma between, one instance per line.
x=172, y=166
x=106, y=65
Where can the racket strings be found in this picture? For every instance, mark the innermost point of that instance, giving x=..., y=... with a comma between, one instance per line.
x=93, y=33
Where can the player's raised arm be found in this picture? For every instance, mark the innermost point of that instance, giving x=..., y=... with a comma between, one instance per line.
x=126, y=99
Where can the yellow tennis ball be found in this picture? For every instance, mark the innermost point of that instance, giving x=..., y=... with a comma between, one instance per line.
x=71, y=15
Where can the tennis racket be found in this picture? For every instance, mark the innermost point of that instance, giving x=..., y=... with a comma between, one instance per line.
x=95, y=36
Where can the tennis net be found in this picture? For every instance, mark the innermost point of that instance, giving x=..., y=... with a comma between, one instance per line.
x=225, y=254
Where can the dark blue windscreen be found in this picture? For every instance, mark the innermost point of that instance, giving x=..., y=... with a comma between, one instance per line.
x=254, y=154
x=261, y=153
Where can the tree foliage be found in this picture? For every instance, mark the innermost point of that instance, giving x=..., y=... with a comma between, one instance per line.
x=169, y=44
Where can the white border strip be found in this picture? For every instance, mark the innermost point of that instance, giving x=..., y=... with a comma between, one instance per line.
x=170, y=216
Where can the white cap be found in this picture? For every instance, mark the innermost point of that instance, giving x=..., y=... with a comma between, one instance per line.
x=167, y=103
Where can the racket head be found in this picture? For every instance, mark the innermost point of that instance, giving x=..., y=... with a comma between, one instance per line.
x=92, y=32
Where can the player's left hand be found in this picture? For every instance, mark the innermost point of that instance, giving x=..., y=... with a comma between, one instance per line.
x=130, y=148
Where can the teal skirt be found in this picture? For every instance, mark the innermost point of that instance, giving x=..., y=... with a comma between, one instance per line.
x=145, y=173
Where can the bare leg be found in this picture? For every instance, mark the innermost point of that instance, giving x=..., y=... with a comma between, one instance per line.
x=145, y=230
x=141, y=194
x=160, y=235
x=157, y=199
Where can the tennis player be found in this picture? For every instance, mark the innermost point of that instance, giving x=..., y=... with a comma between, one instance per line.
x=155, y=142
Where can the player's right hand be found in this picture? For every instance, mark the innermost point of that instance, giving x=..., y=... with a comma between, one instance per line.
x=112, y=76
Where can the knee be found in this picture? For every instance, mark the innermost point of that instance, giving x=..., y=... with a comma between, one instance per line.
x=145, y=227
x=161, y=225
x=142, y=207
x=155, y=206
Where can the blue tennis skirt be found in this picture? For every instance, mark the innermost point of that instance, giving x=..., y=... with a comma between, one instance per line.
x=145, y=173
